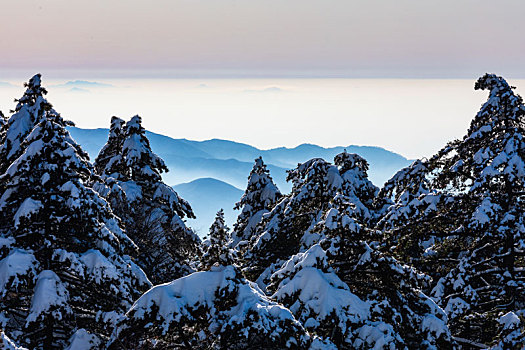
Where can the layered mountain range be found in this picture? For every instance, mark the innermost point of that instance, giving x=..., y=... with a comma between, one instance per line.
x=214, y=171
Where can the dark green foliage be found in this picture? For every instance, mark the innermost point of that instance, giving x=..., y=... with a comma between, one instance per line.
x=464, y=223
x=260, y=197
x=218, y=252
x=63, y=253
x=151, y=211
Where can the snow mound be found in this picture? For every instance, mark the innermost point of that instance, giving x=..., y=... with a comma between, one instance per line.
x=50, y=297
x=17, y=264
x=83, y=340
x=219, y=305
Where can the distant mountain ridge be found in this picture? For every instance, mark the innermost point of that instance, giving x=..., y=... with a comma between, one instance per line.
x=83, y=84
x=216, y=171
x=231, y=161
x=207, y=196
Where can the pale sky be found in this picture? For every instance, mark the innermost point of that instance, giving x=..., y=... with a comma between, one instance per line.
x=161, y=38
x=415, y=117
x=131, y=44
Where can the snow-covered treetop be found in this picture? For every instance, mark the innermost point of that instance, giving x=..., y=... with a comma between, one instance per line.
x=144, y=164
x=290, y=226
x=261, y=192
x=351, y=161
x=219, y=231
x=502, y=107
x=401, y=193
x=33, y=94
x=116, y=128
x=3, y=119
x=218, y=252
x=110, y=161
x=319, y=181
x=260, y=196
x=317, y=177
x=489, y=159
x=29, y=109
x=407, y=183
x=494, y=142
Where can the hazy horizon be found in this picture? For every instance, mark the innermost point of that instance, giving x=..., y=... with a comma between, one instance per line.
x=413, y=117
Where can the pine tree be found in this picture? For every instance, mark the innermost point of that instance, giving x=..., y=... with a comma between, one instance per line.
x=64, y=259
x=3, y=127
x=347, y=292
x=288, y=228
x=152, y=211
x=3, y=121
x=309, y=287
x=145, y=165
x=110, y=161
x=403, y=189
x=215, y=309
x=218, y=251
x=468, y=230
x=488, y=169
x=260, y=197
x=392, y=289
x=29, y=109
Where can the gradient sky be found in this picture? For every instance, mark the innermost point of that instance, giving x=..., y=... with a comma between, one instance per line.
x=376, y=38
x=133, y=43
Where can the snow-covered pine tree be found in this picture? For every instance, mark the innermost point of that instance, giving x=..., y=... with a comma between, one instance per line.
x=63, y=256
x=145, y=166
x=215, y=309
x=468, y=229
x=405, y=187
x=260, y=197
x=3, y=120
x=218, y=251
x=110, y=161
x=409, y=205
x=111, y=167
x=402, y=311
x=487, y=169
x=152, y=211
x=28, y=111
x=356, y=186
x=352, y=296
x=309, y=287
x=3, y=123
x=288, y=228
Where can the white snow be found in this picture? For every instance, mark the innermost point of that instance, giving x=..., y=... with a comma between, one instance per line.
x=17, y=264
x=8, y=344
x=509, y=321
x=29, y=206
x=132, y=190
x=320, y=294
x=456, y=306
x=50, y=298
x=177, y=299
x=98, y=267
x=83, y=340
